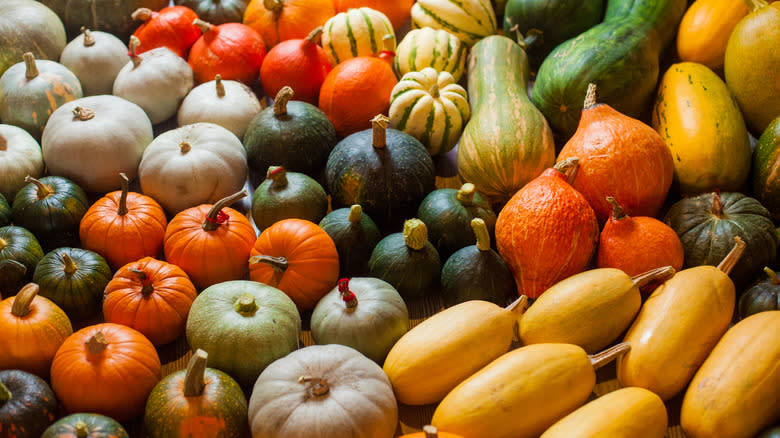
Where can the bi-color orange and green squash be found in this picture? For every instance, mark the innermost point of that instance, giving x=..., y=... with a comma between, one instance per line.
x=20, y=252
x=27, y=404
x=29, y=26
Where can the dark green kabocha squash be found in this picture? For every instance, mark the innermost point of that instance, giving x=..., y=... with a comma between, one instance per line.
x=216, y=12
x=85, y=426
x=5, y=211
x=761, y=296
x=288, y=195
x=27, y=405
x=20, y=252
x=355, y=235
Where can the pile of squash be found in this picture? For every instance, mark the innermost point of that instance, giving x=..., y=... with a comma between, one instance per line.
x=569, y=183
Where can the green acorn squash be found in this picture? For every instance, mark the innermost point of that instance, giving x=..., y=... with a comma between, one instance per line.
x=286, y=195
x=112, y=16
x=761, y=296
x=20, y=252
x=27, y=404
x=766, y=160
x=85, y=426
x=29, y=26
x=5, y=211
x=216, y=12
x=355, y=235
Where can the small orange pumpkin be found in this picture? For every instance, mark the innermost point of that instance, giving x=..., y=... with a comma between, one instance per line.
x=297, y=257
x=152, y=297
x=397, y=11
x=123, y=226
x=211, y=243
x=281, y=20
x=169, y=27
x=430, y=432
x=232, y=50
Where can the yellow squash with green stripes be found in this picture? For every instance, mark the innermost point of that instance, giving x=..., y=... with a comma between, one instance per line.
x=702, y=125
x=469, y=20
x=357, y=32
x=429, y=47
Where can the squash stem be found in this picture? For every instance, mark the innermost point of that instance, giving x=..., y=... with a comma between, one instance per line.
x=347, y=295
x=519, y=305
x=608, y=355
x=216, y=216
x=146, y=289
x=141, y=14
x=280, y=101
x=466, y=194
x=278, y=177
x=70, y=267
x=134, y=43
x=355, y=214
x=590, y=97
x=772, y=275
x=5, y=394
x=23, y=300
x=415, y=234
x=754, y=5
x=43, y=189
x=314, y=36
x=122, y=209
x=246, y=305
x=3, y=143
x=195, y=378
x=315, y=386
x=184, y=147
x=481, y=234
x=379, y=131
x=645, y=278
x=96, y=343
x=430, y=431
x=533, y=38
x=278, y=263
x=89, y=39
x=434, y=90
x=717, y=204
x=220, y=86
x=31, y=66
x=617, y=210
x=81, y=429
x=204, y=26
x=83, y=114
x=274, y=6
x=568, y=167
x=731, y=259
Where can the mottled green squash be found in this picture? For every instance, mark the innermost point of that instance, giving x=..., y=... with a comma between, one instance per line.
x=27, y=404
x=355, y=235
x=761, y=296
x=216, y=12
x=85, y=426
x=29, y=26
x=766, y=161
x=112, y=16
x=288, y=195
x=20, y=252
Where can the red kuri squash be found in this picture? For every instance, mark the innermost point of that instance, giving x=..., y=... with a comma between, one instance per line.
x=171, y=27
x=398, y=11
x=232, y=50
x=281, y=20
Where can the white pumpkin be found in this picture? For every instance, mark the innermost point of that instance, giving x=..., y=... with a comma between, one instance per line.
x=229, y=104
x=20, y=155
x=95, y=58
x=192, y=165
x=92, y=139
x=156, y=80
x=323, y=391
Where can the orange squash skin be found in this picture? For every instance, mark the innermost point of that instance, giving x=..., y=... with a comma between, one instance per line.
x=705, y=29
x=397, y=11
x=170, y=27
x=231, y=50
x=295, y=19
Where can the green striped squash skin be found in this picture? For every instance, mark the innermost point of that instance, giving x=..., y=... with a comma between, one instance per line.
x=29, y=26
x=469, y=20
x=112, y=16
x=766, y=164
x=357, y=32
x=507, y=142
x=19, y=245
x=5, y=211
x=620, y=55
x=433, y=116
x=429, y=47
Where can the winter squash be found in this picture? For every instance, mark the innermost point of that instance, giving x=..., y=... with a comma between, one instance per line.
x=705, y=28
x=29, y=26
x=169, y=27
x=20, y=252
x=229, y=104
x=20, y=156
x=112, y=16
x=5, y=211
x=85, y=426
x=431, y=107
x=281, y=20
x=364, y=313
x=311, y=388
x=765, y=161
x=216, y=11
x=196, y=401
x=93, y=139
x=556, y=221
x=637, y=244
x=384, y=170
x=34, y=329
x=469, y=20
x=286, y=195
x=476, y=272
x=397, y=11
x=150, y=296
x=156, y=80
x=31, y=90
x=243, y=326
x=123, y=226
x=356, y=32
x=429, y=47
x=211, y=243
x=620, y=157
x=192, y=165
x=301, y=64
x=293, y=134
x=232, y=50
x=355, y=235
x=429, y=431
x=100, y=361
x=95, y=58
x=761, y=296
x=74, y=279
x=298, y=257
x=27, y=404
x=51, y=208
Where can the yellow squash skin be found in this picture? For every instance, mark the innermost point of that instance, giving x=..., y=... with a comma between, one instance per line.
x=676, y=329
x=520, y=394
x=625, y=413
x=705, y=29
x=736, y=392
x=702, y=125
x=445, y=349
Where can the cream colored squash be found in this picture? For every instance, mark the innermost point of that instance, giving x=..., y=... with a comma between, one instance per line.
x=192, y=165
x=92, y=139
x=469, y=20
x=95, y=58
x=323, y=391
x=356, y=32
x=429, y=47
x=20, y=155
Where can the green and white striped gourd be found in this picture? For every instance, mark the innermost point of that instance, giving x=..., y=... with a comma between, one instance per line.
x=431, y=107
x=469, y=20
x=357, y=32
x=429, y=47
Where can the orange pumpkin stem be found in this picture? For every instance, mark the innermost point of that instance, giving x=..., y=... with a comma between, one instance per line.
x=31, y=71
x=146, y=288
x=466, y=194
x=142, y=14
x=415, y=234
x=89, y=39
x=568, y=167
x=5, y=394
x=617, y=210
x=608, y=355
x=70, y=268
x=216, y=216
x=355, y=214
x=314, y=36
x=430, y=431
x=204, y=26
x=83, y=114
x=96, y=344
x=134, y=43
x=590, y=97
x=220, y=86
x=195, y=378
x=731, y=259
x=23, y=300
x=43, y=189
x=278, y=176
x=772, y=275
x=81, y=429
x=645, y=278
x=279, y=264
x=717, y=204
x=274, y=6
x=347, y=295
x=315, y=386
x=280, y=101
x=122, y=209
x=481, y=234
x=246, y=305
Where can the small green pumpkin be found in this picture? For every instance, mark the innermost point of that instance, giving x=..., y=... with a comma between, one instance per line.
x=5, y=211
x=216, y=12
x=74, y=279
x=51, y=208
x=762, y=296
x=766, y=160
x=355, y=235
x=27, y=404
x=85, y=426
x=288, y=195
x=20, y=252
x=408, y=261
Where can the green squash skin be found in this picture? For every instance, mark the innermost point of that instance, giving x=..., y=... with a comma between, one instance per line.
x=242, y=346
x=620, y=55
x=414, y=274
x=302, y=198
x=773, y=432
x=98, y=426
x=761, y=296
x=389, y=183
x=32, y=407
x=449, y=221
x=54, y=219
x=112, y=16
x=707, y=238
x=471, y=274
x=766, y=161
x=79, y=294
x=354, y=241
x=5, y=211
x=559, y=20
x=29, y=26
x=216, y=12
x=20, y=246
x=222, y=402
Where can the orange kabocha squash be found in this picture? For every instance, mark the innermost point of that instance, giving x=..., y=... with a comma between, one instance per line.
x=211, y=243
x=32, y=328
x=232, y=50
x=547, y=231
x=152, y=297
x=619, y=157
x=297, y=257
x=280, y=20
x=123, y=226
x=397, y=11
x=430, y=432
x=171, y=27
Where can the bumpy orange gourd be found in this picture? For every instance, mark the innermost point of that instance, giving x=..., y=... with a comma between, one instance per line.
x=170, y=27
x=397, y=11
x=280, y=20
x=151, y=296
x=547, y=231
x=637, y=244
x=123, y=226
x=619, y=157
x=232, y=50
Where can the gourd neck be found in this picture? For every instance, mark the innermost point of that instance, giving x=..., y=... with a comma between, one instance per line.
x=246, y=305
x=31, y=67
x=134, y=43
x=204, y=26
x=122, y=208
x=280, y=101
x=96, y=344
x=24, y=299
x=355, y=214
x=315, y=386
x=659, y=274
x=608, y=355
x=82, y=431
x=755, y=5
x=142, y=14
x=379, y=131
x=727, y=264
x=70, y=268
x=430, y=431
x=219, y=85
x=617, y=210
x=466, y=194
x=146, y=287
x=349, y=298
x=314, y=36
x=195, y=377
x=274, y=6
x=42, y=190
x=567, y=169
x=83, y=114
x=278, y=263
x=89, y=39
x=415, y=234
x=481, y=233
x=5, y=394
x=216, y=216
x=772, y=276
